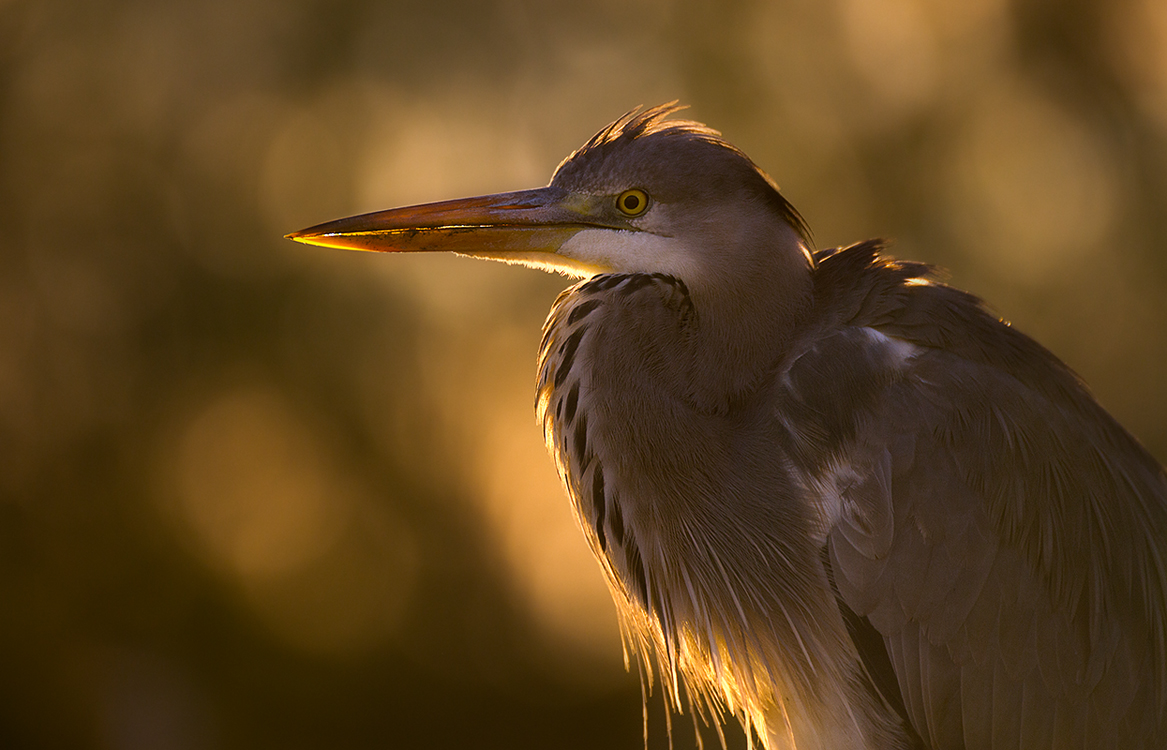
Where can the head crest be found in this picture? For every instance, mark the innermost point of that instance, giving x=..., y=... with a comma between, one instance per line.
x=637, y=124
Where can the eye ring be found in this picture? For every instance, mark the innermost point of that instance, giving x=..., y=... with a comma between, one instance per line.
x=633, y=202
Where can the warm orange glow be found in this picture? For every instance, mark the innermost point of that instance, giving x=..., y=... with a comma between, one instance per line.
x=253, y=489
x=503, y=467
x=259, y=497
x=1034, y=188
x=360, y=537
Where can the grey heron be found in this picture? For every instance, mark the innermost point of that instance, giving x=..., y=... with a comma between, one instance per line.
x=830, y=494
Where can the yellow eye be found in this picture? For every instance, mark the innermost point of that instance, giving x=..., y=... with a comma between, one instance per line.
x=632, y=202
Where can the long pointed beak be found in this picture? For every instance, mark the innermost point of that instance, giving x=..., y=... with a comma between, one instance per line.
x=505, y=226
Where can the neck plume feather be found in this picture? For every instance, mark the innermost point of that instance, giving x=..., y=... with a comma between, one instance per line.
x=726, y=610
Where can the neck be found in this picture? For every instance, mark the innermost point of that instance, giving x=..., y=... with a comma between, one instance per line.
x=745, y=321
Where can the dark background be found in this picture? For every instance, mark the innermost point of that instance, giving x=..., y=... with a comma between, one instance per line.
x=260, y=495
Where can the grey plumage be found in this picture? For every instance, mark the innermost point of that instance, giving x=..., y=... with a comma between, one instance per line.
x=832, y=495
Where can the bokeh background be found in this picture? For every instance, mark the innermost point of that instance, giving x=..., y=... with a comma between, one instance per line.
x=260, y=495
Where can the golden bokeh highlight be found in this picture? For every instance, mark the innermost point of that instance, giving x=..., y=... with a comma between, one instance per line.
x=253, y=489
x=894, y=47
x=1137, y=42
x=259, y=497
x=1035, y=188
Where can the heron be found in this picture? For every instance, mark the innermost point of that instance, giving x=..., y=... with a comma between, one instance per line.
x=831, y=495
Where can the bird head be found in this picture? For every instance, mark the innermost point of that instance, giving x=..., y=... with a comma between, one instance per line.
x=645, y=194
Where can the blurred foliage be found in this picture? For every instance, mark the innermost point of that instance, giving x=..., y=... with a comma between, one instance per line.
x=256, y=495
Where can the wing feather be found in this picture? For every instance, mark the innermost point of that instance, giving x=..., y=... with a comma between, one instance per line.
x=1014, y=562
x=976, y=705
x=1006, y=720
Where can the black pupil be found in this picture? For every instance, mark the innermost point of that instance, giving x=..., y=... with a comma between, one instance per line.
x=631, y=202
